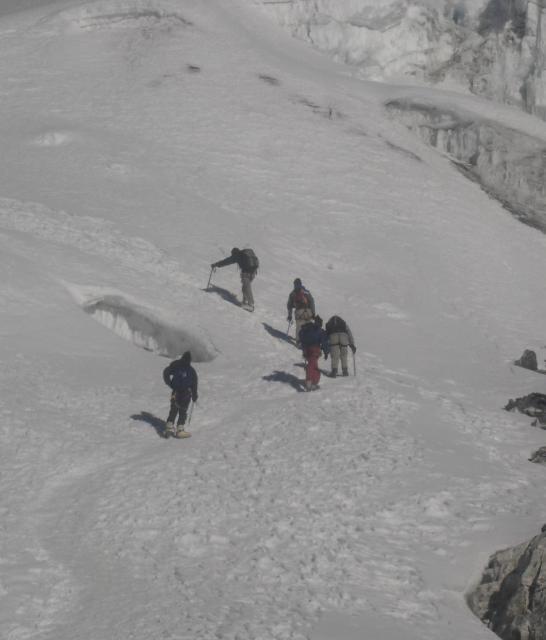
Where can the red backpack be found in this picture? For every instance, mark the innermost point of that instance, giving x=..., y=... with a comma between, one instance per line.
x=301, y=298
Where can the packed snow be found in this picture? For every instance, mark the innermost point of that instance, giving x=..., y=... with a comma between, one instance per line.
x=142, y=140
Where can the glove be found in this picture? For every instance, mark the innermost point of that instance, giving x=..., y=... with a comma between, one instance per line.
x=194, y=398
x=213, y=266
x=353, y=348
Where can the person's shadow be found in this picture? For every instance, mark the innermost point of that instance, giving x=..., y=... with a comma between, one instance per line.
x=157, y=423
x=224, y=293
x=324, y=372
x=286, y=378
x=280, y=335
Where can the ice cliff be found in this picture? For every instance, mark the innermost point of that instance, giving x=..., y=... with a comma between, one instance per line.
x=509, y=164
x=492, y=48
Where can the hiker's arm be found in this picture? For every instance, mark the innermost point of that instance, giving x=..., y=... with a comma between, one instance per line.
x=290, y=304
x=167, y=376
x=224, y=262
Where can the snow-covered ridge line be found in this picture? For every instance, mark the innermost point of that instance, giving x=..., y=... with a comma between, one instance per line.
x=508, y=164
x=101, y=14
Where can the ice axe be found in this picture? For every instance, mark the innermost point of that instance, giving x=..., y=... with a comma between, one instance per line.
x=212, y=270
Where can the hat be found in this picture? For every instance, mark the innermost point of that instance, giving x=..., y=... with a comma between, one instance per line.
x=318, y=321
x=297, y=283
x=186, y=357
x=235, y=251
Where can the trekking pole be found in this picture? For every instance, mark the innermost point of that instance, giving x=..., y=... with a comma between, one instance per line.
x=190, y=413
x=354, y=364
x=212, y=269
x=289, y=325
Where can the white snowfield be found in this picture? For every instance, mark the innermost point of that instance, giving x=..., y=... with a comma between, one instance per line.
x=141, y=141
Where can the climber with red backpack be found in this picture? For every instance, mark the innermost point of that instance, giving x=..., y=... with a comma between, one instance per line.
x=301, y=300
x=248, y=263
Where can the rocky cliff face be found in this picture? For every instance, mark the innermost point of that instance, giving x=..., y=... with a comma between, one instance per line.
x=493, y=48
x=511, y=597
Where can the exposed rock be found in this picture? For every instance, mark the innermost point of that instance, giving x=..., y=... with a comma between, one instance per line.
x=533, y=405
x=540, y=458
x=528, y=360
x=511, y=597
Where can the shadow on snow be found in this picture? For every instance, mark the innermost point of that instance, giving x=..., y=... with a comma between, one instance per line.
x=280, y=335
x=157, y=423
x=286, y=378
x=224, y=293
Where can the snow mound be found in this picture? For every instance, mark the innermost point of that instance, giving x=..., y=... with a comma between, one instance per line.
x=112, y=15
x=53, y=139
x=141, y=327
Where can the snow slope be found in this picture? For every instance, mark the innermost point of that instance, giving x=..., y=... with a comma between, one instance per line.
x=142, y=139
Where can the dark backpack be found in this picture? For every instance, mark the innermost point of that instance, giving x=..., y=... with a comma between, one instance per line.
x=249, y=261
x=336, y=325
x=182, y=379
x=311, y=335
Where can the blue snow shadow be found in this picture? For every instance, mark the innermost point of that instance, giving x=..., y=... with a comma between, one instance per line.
x=280, y=335
x=224, y=293
x=157, y=423
x=286, y=378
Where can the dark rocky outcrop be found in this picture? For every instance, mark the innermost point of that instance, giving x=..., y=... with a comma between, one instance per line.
x=528, y=360
x=533, y=405
x=539, y=456
x=511, y=596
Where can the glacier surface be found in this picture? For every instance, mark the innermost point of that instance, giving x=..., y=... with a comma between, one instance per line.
x=492, y=48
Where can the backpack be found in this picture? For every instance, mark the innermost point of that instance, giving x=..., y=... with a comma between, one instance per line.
x=336, y=325
x=249, y=260
x=311, y=335
x=301, y=298
x=182, y=379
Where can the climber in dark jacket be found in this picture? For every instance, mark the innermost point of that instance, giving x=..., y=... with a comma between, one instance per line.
x=314, y=340
x=248, y=264
x=181, y=377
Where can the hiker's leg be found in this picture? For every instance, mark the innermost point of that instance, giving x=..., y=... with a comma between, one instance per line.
x=313, y=358
x=173, y=410
x=246, y=282
x=334, y=350
x=299, y=322
x=344, y=342
x=183, y=402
